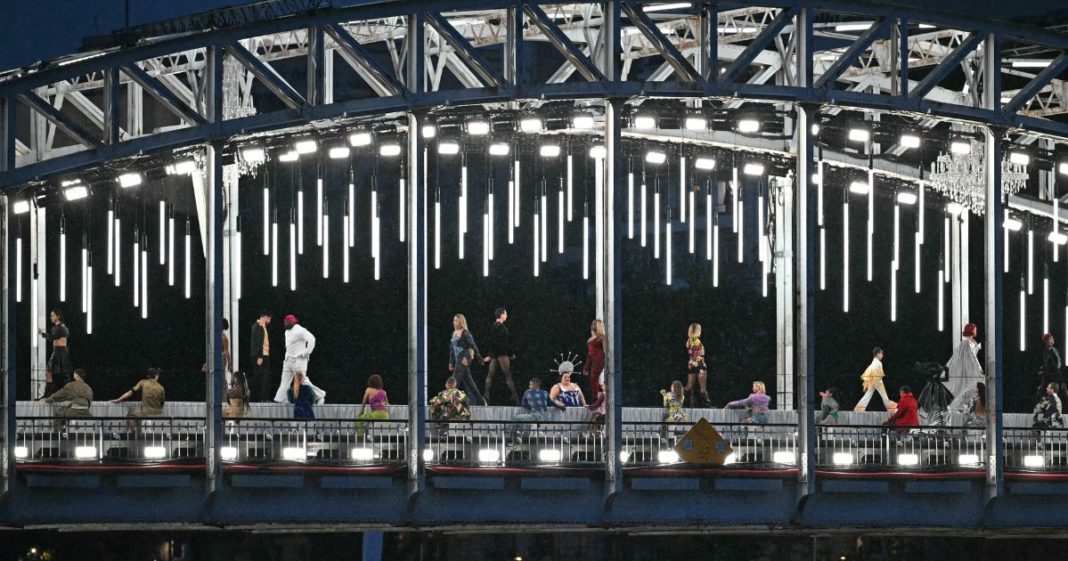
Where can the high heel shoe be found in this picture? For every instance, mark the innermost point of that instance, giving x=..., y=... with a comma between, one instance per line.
x=705, y=401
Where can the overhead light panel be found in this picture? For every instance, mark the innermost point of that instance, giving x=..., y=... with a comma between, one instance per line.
x=705, y=163
x=362, y=454
x=1024, y=63
x=598, y=151
x=644, y=122
x=306, y=146
x=665, y=7
x=748, y=126
x=753, y=168
x=859, y=187
x=339, y=152
x=696, y=123
x=1059, y=238
x=858, y=134
x=1013, y=224
x=815, y=128
x=21, y=207
x=860, y=26
x=907, y=198
x=429, y=131
x=1019, y=158
x=908, y=460
x=530, y=124
x=290, y=156
x=909, y=140
x=499, y=149
x=254, y=154
x=550, y=455
x=954, y=208
x=448, y=148
x=582, y=120
x=75, y=193
x=363, y=138
x=390, y=149
x=550, y=150
x=960, y=146
x=478, y=128
x=184, y=167
x=489, y=456
x=1063, y=168
x=654, y=157
x=128, y=180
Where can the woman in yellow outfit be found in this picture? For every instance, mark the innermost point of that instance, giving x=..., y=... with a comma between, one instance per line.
x=872, y=380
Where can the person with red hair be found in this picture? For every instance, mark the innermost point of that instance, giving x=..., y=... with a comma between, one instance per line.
x=964, y=368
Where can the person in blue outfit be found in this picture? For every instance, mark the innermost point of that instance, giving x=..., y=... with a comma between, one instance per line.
x=301, y=396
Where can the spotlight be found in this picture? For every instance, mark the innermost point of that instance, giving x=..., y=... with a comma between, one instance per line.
x=499, y=149
x=448, y=148
x=858, y=134
x=362, y=454
x=363, y=138
x=1058, y=238
x=489, y=455
x=731, y=458
x=843, y=459
x=478, y=128
x=155, y=452
x=184, y=167
x=550, y=456
x=852, y=26
x=1063, y=168
x=815, y=128
x=960, y=146
x=549, y=150
x=21, y=452
x=624, y=456
x=908, y=460
x=598, y=151
x=428, y=455
x=748, y=126
x=228, y=453
x=667, y=457
x=294, y=454
x=429, y=131
x=954, y=208
x=254, y=154
x=907, y=198
x=696, y=123
x=1013, y=224
x=665, y=7
x=909, y=140
x=306, y=146
x=753, y=168
x=705, y=164
x=971, y=460
x=289, y=157
x=339, y=152
x=75, y=193
x=1035, y=461
x=654, y=157
x=530, y=124
x=1019, y=158
x=391, y=149
x=21, y=207
x=85, y=452
x=582, y=120
x=1030, y=63
x=128, y=180
x=784, y=457
x=859, y=187
x=643, y=122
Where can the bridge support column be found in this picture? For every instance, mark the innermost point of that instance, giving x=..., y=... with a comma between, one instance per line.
x=38, y=299
x=213, y=313
x=7, y=352
x=804, y=295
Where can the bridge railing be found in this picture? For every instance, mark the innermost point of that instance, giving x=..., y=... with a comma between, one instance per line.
x=514, y=443
x=315, y=441
x=109, y=439
x=753, y=445
x=869, y=447
x=1039, y=450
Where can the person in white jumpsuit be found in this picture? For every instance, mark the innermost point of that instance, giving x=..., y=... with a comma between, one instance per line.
x=299, y=346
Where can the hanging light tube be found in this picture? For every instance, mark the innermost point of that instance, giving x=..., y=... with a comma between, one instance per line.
x=188, y=265
x=111, y=237
x=1045, y=303
x=300, y=221
x=462, y=222
x=351, y=240
x=116, y=249
x=485, y=244
x=511, y=212
x=656, y=224
x=144, y=278
x=319, y=206
x=237, y=261
x=437, y=234
x=761, y=247
x=170, y=246
x=643, y=207
x=941, y=300
x=1023, y=320
x=667, y=249
x=692, y=220
x=1030, y=261
x=89, y=297
x=560, y=222
x=734, y=199
x=136, y=269
x=897, y=236
x=376, y=235
x=403, y=209
x=586, y=241
x=1005, y=240
x=162, y=232
x=274, y=249
x=63, y=259
x=945, y=248
x=708, y=224
x=18, y=268
x=492, y=223
x=517, y=192
x=266, y=220
x=537, y=240
x=823, y=258
x=682, y=188
x=740, y=208
x=326, y=244
x=871, y=221
x=544, y=244
x=630, y=205
x=570, y=189
x=292, y=254
x=845, y=254
x=85, y=272
x=1054, y=238
x=893, y=292
x=715, y=251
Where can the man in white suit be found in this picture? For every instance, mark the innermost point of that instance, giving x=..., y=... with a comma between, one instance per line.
x=299, y=346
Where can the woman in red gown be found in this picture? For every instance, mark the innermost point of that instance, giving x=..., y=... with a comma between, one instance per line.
x=594, y=364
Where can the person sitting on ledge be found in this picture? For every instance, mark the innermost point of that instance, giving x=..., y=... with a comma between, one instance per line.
x=301, y=396
x=566, y=393
x=237, y=396
x=152, y=395
x=757, y=403
x=907, y=414
x=77, y=393
x=1047, y=413
x=450, y=404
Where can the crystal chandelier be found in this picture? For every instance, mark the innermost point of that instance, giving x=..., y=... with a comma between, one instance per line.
x=237, y=103
x=961, y=178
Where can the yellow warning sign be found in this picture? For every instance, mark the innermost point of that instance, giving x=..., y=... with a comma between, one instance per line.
x=703, y=445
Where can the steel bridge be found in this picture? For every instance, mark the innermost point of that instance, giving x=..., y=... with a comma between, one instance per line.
x=407, y=64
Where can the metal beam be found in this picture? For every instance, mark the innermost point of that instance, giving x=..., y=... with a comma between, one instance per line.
x=564, y=45
x=1036, y=84
x=466, y=52
x=877, y=31
x=8, y=140
x=947, y=65
x=611, y=272
x=757, y=46
x=662, y=44
x=163, y=95
x=417, y=268
x=316, y=71
x=270, y=78
x=112, y=105
x=363, y=62
x=60, y=120
x=213, y=314
x=8, y=342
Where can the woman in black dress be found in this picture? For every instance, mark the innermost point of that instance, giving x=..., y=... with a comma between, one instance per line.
x=59, y=367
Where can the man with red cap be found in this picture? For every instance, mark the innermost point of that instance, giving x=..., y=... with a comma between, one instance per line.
x=1051, y=365
x=299, y=346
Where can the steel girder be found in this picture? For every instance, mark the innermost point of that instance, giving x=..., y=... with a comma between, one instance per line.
x=751, y=45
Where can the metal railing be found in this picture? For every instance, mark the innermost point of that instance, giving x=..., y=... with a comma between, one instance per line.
x=872, y=447
x=1044, y=450
x=315, y=441
x=109, y=439
x=752, y=445
x=514, y=443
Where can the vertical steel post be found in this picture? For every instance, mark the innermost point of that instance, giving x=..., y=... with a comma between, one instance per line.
x=38, y=298
x=316, y=70
x=7, y=354
x=994, y=253
x=213, y=273
x=112, y=97
x=417, y=264
x=7, y=133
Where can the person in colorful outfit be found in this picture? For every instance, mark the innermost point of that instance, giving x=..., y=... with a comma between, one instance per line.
x=463, y=352
x=907, y=413
x=674, y=401
x=566, y=393
x=375, y=397
x=594, y=364
x=757, y=403
x=534, y=406
x=828, y=407
x=697, y=367
x=872, y=380
x=1048, y=412
x=450, y=404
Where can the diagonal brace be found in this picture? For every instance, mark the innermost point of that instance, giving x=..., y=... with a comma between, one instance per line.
x=667, y=49
x=571, y=53
x=877, y=31
x=61, y=121
x=361, y=60
x=465, y=51
x=947, y=65
x=162, y=94
x=1036, y=84
x=760, y=42
x=275, y=83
